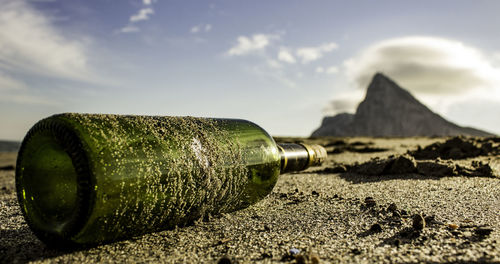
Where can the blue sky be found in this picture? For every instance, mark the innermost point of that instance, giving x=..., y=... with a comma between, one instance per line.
x=281, y=64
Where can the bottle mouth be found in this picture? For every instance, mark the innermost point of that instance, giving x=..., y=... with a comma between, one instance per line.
x=53, y=182
x=299, y=156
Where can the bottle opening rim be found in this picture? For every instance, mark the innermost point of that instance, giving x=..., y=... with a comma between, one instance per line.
x=60, y=140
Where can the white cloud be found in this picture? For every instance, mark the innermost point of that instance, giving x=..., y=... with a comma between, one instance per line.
x=246, y=45
x=496, y=55
x=199, y=28
x=282, y=64
x=285, y=55
x=29, y=43
x=195, y=29
x=329, y=70
x=427, y=65
x=308, y=54
x=143, y=14
x=129, y=29
x=345, y=102
x=332, y=70
x=496, y=59
x=337, y=106
x=32, y=47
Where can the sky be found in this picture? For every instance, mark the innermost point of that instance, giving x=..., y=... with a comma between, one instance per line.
x=281, y=64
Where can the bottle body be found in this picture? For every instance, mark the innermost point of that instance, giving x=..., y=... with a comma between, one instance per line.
x=84, y=178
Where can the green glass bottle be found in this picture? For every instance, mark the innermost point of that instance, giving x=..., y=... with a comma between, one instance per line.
x=91, y=178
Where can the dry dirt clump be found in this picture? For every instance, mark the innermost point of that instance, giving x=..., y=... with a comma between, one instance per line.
x=341, y=146
x=393, y=165
x=439, y=159
x=459, y=148
x=406, y=164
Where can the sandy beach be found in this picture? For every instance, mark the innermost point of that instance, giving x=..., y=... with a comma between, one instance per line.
x=338, y=213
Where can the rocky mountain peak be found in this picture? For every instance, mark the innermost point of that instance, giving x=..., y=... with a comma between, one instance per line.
x=381, y=87
x=389, y=110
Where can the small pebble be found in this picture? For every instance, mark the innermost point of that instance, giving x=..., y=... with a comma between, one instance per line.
x=406, y=233
x=396, y=214
x=300, y=259
x=8, y=167
x=224, y=260
x=418, y=222
x=294, y=251
x=369, y=201
x=315, y=193
x=397, y=242
x=356, y=251
x=314, y=259
x=453, y=226
x=376, y=228
x=482, y=232
x=223, y=241
x=430, y=219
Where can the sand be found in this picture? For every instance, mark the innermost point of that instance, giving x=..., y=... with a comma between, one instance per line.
x=323, y=214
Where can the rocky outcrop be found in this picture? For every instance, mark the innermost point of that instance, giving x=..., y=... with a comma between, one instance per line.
x=390, y=111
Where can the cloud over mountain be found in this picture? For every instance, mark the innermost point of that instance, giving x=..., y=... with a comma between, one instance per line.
x=427, y=65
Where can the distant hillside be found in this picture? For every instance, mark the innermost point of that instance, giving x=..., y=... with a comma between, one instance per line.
x=9, y=146
x=390, y=111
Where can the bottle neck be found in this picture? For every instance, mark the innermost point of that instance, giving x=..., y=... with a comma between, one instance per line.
x=298, y=157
